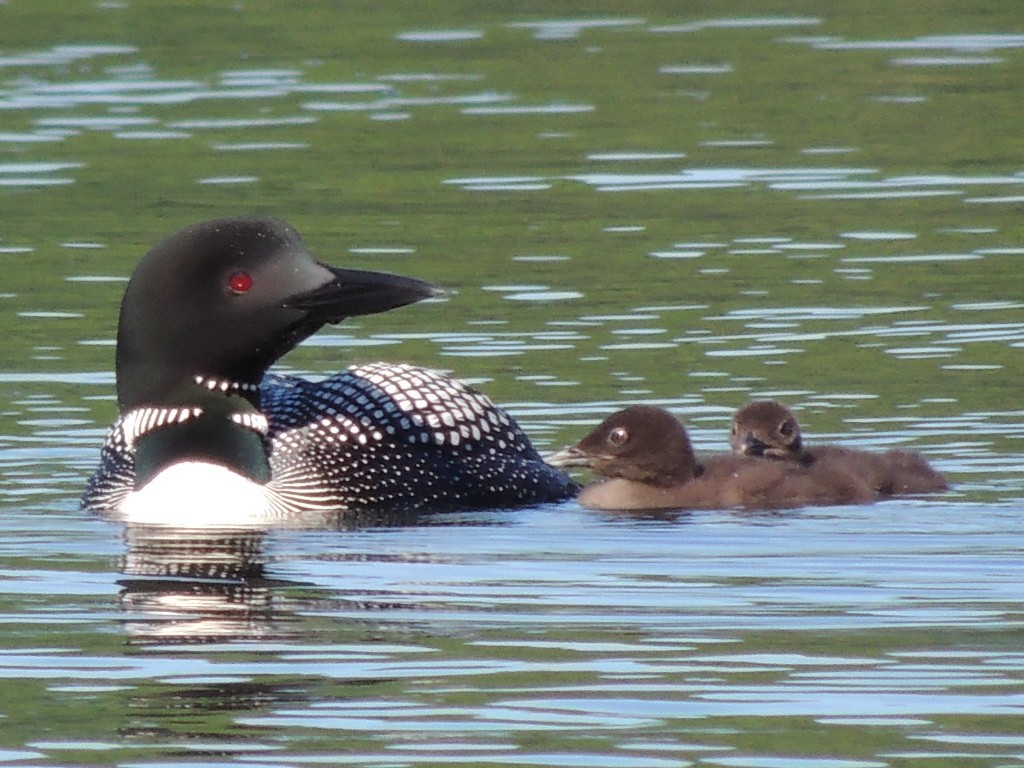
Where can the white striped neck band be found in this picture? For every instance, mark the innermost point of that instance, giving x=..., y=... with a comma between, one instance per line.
x=214, y=384
x=142, y=421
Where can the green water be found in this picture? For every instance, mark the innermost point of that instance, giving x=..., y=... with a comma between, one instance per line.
x=355, y=181
x=690, y=204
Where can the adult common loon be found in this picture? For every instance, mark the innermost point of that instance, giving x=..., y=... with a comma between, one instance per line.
x=203, y=429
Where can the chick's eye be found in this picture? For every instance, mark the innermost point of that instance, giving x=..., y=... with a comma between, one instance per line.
x=240, y=282
x=618, y=436
x=786, y=429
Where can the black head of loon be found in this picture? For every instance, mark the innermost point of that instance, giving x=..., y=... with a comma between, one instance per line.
x=215, y=304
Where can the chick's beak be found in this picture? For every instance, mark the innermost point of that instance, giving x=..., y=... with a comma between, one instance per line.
x=571, y=456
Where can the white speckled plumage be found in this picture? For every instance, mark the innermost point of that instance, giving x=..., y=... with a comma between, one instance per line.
x=378, y=436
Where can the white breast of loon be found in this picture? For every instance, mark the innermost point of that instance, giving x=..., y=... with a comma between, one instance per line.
x=195, y=494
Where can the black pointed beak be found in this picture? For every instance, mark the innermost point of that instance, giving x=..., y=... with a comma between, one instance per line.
x=354, y=292
x=569, y=457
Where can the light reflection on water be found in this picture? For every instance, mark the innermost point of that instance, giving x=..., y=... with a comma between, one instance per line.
x=765, y=331
x=614, y=627
x=651, y=632
x=549, y=636
x=813, y=183
x=928, y=42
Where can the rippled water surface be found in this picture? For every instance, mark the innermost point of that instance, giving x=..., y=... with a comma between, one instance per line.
x=632, y=202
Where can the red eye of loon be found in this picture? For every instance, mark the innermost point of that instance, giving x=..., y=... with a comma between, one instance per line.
x=240, y=282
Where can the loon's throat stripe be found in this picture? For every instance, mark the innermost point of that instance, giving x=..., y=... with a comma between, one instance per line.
x=142, y=421
x=255, y=422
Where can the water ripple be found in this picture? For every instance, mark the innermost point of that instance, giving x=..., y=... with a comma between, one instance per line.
x=754, y=22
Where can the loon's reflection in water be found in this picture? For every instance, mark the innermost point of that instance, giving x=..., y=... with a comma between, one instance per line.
x=194, y=586
x=200, y=586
